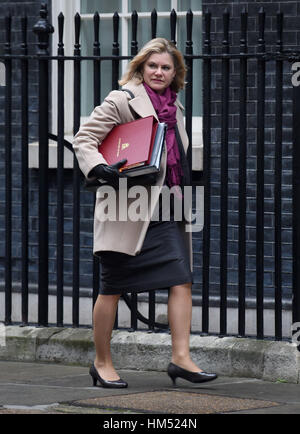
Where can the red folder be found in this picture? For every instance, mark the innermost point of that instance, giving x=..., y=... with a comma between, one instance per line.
x=133, y=141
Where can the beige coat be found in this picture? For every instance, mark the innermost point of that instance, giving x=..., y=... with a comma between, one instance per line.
x=118, y=108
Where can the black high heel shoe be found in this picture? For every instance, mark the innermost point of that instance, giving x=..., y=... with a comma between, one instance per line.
x=117, y=384
x=175, y=371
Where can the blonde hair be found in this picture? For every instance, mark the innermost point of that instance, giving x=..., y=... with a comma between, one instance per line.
x=157, y=45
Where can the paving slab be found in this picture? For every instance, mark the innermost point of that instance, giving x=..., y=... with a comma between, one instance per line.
x=56, y=388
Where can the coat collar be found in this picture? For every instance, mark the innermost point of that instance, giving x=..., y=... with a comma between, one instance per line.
x=141, y=103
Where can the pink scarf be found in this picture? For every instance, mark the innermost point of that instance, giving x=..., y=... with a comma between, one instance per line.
x=166, y=112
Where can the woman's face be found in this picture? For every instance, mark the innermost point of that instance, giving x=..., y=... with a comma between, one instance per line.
x=159, y=71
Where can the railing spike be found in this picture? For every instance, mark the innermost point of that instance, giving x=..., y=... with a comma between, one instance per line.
x=61, y=20
x=173, y=21
x=96, y=20
x=153, y=23
x=134, y=43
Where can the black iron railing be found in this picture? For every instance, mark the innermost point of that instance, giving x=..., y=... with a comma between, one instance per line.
x=213, y=62
x=261, y=57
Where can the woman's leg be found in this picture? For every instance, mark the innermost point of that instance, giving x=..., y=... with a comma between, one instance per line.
x=180, y=317
x=103, y=322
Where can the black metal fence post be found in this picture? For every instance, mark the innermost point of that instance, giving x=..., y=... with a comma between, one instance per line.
x=278, y=181
x=8, y=172
x=296, y=203
x=224, y=176
x=97, y=98
x=261, y=71
x=60, y=173
x=206, y=170
x=134, y=50
x=242, y=174
x=76, y=175
x=24, y=170
x=43, y=29
x=189, y=84
x=115, y=51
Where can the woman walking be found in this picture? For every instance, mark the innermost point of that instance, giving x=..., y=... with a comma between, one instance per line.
x=142, y=255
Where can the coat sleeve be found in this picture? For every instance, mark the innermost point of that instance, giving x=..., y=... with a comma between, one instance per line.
x=90, y=135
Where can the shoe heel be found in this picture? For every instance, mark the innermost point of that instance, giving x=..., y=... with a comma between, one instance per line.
x=173, y=379
x=94, y=377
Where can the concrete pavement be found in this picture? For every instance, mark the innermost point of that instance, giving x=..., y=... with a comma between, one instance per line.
x=27, y=387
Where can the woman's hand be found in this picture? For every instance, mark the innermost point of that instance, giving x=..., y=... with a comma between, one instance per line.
x=109, y=173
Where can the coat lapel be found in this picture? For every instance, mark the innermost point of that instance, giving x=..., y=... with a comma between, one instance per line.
x=141, y=104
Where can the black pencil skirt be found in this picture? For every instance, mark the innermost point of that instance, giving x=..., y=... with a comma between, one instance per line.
x=163, y=262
